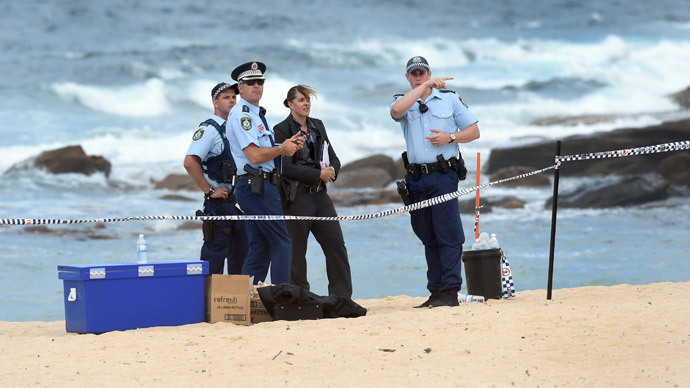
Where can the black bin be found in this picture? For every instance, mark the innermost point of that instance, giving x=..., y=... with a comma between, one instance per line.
x=483, y=272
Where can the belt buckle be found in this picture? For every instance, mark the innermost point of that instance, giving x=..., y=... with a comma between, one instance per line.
x=425, y=169
x=313, y=190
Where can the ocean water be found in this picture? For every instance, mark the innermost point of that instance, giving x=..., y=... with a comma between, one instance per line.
x=131, y=81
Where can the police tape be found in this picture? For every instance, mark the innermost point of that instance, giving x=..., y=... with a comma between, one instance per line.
x=666, y=147
x=245, y=217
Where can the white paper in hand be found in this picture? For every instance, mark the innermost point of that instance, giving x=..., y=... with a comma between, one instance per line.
x=325, y=159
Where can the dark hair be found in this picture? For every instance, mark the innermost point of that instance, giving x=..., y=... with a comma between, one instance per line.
x=306, y=90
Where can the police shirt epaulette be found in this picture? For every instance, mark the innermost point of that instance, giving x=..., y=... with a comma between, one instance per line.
x=245, y=108
x=447, y=91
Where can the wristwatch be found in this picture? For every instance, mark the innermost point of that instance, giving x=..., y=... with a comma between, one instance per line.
x=452, y=138
x=210, y=193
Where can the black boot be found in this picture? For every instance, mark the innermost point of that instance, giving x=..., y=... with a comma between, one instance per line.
x=434, y=295
x=446, y=298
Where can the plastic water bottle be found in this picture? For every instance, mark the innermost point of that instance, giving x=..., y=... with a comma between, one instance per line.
x=470, y=298
x=493, y=241
x=483, y=244
x=475, y=245
x=142, y=250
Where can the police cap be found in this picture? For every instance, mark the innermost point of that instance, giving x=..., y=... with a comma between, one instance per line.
x=417, y=63
x=221, y=87
x=249, y=71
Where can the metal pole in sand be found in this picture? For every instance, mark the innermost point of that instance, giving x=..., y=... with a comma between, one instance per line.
x=476, y=205
x=554, y=210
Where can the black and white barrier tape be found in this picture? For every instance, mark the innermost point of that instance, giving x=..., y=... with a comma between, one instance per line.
x=667, y=147
x=413, y=207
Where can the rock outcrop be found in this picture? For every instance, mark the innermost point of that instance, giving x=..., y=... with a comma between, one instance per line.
x=70, y=159
x=541, y=154
x=682, y=98
x=626, y=191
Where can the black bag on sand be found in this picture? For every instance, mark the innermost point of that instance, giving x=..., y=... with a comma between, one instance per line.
x=289, y=302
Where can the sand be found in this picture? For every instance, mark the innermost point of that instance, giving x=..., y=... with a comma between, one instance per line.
x=616, y=336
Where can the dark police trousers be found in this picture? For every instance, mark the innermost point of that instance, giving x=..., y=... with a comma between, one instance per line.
x=230, y=242
x=440, y=230
x=269, y=242
x=327, y=233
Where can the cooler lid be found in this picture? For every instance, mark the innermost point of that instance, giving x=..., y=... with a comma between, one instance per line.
x=125, y=271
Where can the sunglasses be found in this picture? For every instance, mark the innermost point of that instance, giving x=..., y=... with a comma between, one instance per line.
x=422, y=107
x=251, y=82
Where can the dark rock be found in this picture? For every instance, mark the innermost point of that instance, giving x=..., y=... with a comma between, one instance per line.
x=682, y=98
x=509, y=172
x=400, y=169
x=509, y=202
x=346, y=197
x=176, y=182
x=676, y=169
x=626, y=191
x=541, y=155
x=467, y=206
x=381, y=161
x=190, y=225
x=363, y=177
x=82, y=234
x=70, y=159
x=574, y=120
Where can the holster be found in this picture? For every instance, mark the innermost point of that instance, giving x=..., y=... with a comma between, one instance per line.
x=256, y=178
x=404, y=192
x=459, y=167
x=442, y=163
x=288, y=191
x=414, y=172
x=206, y=226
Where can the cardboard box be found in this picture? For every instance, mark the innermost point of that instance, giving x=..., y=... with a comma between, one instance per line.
x=258, y=311
x=227, y=299
x=102, y=298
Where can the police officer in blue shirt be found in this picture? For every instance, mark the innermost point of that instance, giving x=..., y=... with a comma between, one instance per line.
x=258, y=157
x=433, y=121
x=210, y=165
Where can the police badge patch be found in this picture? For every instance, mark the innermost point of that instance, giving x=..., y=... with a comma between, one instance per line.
x=463, y=102
x=246, y=123
x=198, y=134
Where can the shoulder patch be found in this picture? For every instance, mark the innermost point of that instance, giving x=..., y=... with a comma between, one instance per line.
x=198, y=134
x=463, y=102
x=446, y=91
x=246, y=123
x=245, y=108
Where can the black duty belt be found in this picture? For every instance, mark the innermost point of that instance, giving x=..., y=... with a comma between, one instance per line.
x=426, y=168
x=312, y=189
x=265, y=175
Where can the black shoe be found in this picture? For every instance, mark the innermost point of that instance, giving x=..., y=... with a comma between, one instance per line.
x=434, y=295
x=447, y=298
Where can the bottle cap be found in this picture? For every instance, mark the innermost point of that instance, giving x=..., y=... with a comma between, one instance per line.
x=141, y=236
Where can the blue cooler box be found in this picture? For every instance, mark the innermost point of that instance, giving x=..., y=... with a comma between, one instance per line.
x=101, y=298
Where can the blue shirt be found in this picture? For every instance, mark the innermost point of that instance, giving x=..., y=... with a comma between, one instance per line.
x=446, y=112
x=207, y=143
x=245, y=127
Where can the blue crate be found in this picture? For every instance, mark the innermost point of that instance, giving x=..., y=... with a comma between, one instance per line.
x=102, y=298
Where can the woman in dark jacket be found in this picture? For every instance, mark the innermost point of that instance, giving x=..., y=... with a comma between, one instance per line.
x=305, y=176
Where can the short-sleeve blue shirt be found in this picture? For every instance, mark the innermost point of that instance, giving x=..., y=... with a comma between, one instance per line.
x=446, y=112
x=245, y=127
x=207, y=143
